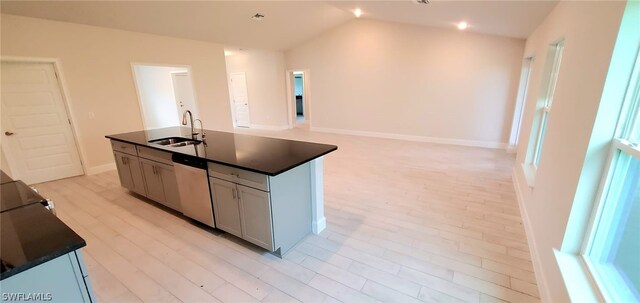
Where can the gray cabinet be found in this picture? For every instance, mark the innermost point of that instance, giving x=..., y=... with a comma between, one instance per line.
x=273, y=212
x=130, y=172
x=161, y=183
x=152, y=180
x=63, y=279
x=170, y=185
x=255, y=216
x=226, y=207
x=148, y=172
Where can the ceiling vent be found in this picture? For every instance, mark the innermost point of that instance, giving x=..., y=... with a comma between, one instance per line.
x=422, y=1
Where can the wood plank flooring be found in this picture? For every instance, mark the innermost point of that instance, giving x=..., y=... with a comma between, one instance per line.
x=406, y=222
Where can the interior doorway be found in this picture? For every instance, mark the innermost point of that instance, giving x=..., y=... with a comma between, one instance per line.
x=298, y=92
x=298, y=83
x=38, y=143
x=164, y=94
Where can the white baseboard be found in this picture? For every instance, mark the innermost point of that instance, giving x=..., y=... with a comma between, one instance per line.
x=543, y=286
x=269, y=127
x=486, y=144
x=318, y=226
x=101, y=168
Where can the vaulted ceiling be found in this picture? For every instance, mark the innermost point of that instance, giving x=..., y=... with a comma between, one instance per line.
x=286, y=23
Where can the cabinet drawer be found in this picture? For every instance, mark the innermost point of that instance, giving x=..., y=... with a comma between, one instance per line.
x=126, y=148
x=155, y=155
x=240, y=176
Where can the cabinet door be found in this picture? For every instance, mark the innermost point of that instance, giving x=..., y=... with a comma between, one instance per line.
x=170, y=185
x=136, y=175
x=153, y=181
x=225, y=206
x=255, y=215
x=123, y=170
x=129, y=172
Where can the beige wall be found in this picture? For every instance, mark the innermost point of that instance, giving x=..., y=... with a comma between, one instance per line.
x=589, y=30
x=393, y=78
x=265, y=85
x=96, y=66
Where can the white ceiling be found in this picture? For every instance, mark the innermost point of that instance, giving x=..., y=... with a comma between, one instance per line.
x=287, y=23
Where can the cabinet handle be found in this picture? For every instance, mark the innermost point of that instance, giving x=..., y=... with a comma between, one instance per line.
x=233, y=191
x=124, y=161
x=155, y=172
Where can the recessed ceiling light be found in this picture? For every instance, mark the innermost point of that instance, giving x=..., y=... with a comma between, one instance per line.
x=463, y=25
x=357, y=12
x=257, y=17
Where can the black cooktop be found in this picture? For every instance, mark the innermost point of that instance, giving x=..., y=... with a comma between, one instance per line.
x=17, y=194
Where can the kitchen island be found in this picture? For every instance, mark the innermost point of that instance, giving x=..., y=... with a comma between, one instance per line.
x=266, y=191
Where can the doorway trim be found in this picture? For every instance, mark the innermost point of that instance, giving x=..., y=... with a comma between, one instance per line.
x=66, y=101
x=135, y=83
x=306, y=96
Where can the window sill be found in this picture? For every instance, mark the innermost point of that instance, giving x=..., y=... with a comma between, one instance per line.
x=529, y=174
x=577, y=279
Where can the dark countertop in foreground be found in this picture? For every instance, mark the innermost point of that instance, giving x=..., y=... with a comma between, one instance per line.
x=32, y=235
x=263, y=155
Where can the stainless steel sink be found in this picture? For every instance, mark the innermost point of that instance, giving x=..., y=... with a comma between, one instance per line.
x=185, y=143
x=175, y=141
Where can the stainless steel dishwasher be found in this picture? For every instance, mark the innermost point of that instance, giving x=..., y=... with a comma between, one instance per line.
x=193, y=186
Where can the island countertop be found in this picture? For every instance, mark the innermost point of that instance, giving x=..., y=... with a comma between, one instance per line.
x=263, y=155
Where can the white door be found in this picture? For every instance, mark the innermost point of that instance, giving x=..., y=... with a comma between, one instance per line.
x=36, y=131
x=185, y=98
x=240, y=99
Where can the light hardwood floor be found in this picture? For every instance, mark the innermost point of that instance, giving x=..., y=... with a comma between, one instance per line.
x=407, y=222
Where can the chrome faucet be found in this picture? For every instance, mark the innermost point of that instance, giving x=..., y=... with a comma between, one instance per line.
x=201, y=130
x=194, y=135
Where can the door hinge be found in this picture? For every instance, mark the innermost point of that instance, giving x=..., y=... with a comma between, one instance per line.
x=69, y=121
x=56, y=74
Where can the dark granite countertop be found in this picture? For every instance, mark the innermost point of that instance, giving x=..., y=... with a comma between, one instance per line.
x=32, y=235
x=263, y=155
x=17, y=194
x=4, y=178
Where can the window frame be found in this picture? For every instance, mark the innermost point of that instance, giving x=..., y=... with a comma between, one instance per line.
x=556, y=49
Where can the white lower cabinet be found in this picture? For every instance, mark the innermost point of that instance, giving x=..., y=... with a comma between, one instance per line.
x=63, y=279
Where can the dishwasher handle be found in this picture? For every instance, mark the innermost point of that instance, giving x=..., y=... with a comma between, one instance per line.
x=189, y=161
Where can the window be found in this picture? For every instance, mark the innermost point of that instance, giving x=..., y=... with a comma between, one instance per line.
x=612, y=250
x=552, y=67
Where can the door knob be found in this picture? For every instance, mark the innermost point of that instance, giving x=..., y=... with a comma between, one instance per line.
x=8, y=133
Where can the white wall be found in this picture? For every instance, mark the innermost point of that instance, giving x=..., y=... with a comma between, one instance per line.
x=96, y=67
x=395, y=78
x=266, y=86
x=156, y=95
x=589, y=29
